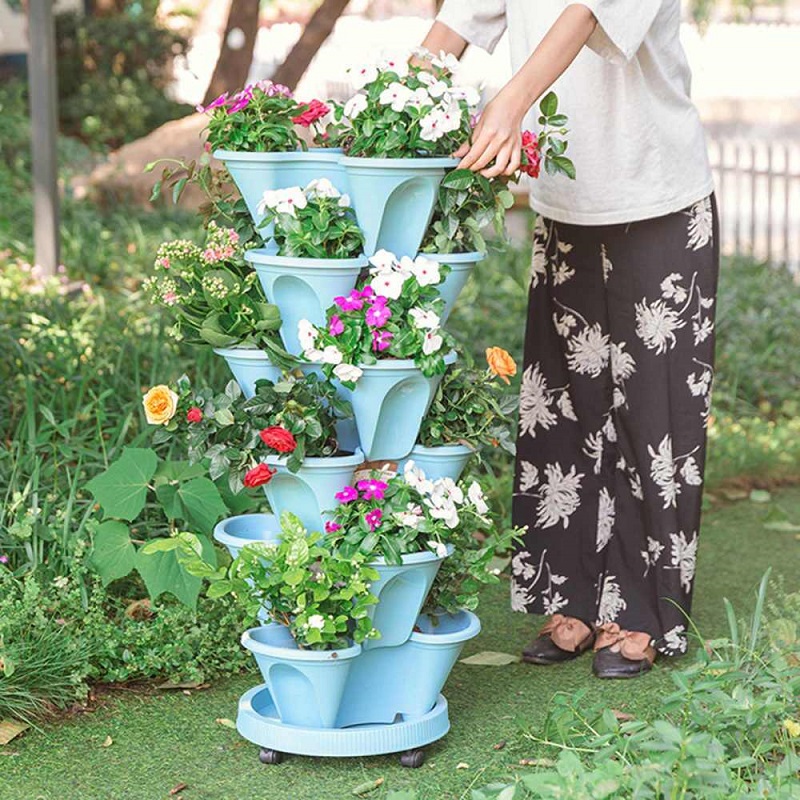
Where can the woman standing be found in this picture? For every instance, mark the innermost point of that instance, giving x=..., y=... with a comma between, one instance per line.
x=620, y=338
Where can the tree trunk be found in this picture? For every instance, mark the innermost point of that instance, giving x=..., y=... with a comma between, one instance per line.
x=319, y=28
x=233, y=63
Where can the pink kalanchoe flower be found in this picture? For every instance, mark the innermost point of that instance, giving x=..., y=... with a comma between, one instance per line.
x=381, y=340
x=373, y=518
x=336, y=326
x=332, y=527
x=347, y=495
x=378, y=314
x=372, y=489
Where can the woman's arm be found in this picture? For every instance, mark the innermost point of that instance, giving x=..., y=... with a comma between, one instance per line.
x=498, y=134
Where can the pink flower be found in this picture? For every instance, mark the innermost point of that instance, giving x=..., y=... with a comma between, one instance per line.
x=316, y=110
x=367, y=293
x=373, y=518
x=241, y=100
x=372, y=489
x=170, y=298
x=378, y=313
x=336, y=326
x=347, y=495
x=332, y=527
x=4, y=559
x=381, y=340
x=233, y=237
x=353, y=302
x=162, y=262
x=220, y=101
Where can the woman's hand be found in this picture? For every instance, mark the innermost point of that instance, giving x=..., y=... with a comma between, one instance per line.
x=498, y=136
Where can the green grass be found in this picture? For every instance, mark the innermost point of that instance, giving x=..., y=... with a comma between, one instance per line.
x=161, y=741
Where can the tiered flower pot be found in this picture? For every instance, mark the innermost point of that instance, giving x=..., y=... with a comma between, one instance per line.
x=346, y=431
x=255, y=173
x=303, y=288
x=446, y=461
x=390, y=401
x=461, y=266
x=234, y=533
x=249, y=366
x=310, y=492
x=394, y=198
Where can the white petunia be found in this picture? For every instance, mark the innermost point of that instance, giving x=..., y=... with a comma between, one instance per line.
x=424, y=318
x=316, y=621
x=432, y=343
x=348, y=373
x=426, y=271
x=332, y=355
x=388, y=284
x=306, y=333
x=395, y=95
x=355, y=105
x=475, y=495
x=363, y=75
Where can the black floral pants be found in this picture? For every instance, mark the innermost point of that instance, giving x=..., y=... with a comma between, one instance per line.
x=614, y=407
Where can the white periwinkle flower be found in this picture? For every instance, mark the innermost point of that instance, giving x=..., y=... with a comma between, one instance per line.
x=439, y=548
x=355, y=105
x=468, y=93
x=426, y=271
x=322, y=187
x=475, y=495
x=431, y=126
x=306, y=333
x=332, y=355
x=364, y=75
x=388, y=284
x=395, y=95
x=424, y=319
x=383, y=260
x=348, y=373
x=397, y=64
x=432, y=343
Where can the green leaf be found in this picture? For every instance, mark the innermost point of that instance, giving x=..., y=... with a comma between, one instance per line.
x=561, y=164
x=122, y=489
x=203, y=503
x=491, y=658
x=113, y=553
x=549, y=104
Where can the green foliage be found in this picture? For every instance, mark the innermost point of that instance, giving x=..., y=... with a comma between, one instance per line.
x=551, y=143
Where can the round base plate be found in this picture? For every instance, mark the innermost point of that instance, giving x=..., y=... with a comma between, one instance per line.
x=258, y=722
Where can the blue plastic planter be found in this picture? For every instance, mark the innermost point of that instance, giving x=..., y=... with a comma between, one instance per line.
x=394, y=199
x=461, y=266
x=236, y=532
x=447, y=461
x=346, y=431
x=311, y=490
x=306, y=685
x=401, y=591
x=303, y=288
x=405, y=681
x=248, y=366
x=390, y=401
x=255, y=173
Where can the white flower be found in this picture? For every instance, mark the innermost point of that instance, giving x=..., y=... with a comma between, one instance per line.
x=316, y=621
x=468, y=93
x=362, y=76
x=388, y=284
x=411, y=517
x=702, y=330
x=662, y=471
x=431, y=126
x=446, y=61
x=447, y=512
x=419, y=98
x=313, y=354
x=475, y=495
x=690, y=472
x=558, y=498
x=284, y=201
x=671, y=290
x=306, y=333
x=344, y=201
x=322, y=187
x=397, y=64
x=611, y=600
x=432, y=343
x=439, y=548
x=684, y=558
x=446, y=490
x=656, y=325
x=562, y=273
x=701, y=224
x=268, y=200
x=395, y=95
x=451, y=117
x=425, y=270
x=383, y=261
x=622, y=363
x=425, y=318
x=355, y=105
x=589, y=351
x=348, y=373
x=534, y=402
x=554, y=603
x=332, y=355
x=415, y=478
x=564, y=324
x=529, y=476
x=606, y=514
x=675, y=639
x=436, y=88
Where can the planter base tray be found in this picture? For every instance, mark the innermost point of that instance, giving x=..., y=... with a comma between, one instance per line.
x=258, y=722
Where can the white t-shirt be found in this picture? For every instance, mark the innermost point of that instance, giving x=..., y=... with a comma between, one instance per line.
x=635, y=136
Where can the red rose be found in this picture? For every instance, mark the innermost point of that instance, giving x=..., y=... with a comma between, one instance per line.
x=279, y=439
x=258, y=476
x=194, y=414
x=316, y=109
x=531, y=156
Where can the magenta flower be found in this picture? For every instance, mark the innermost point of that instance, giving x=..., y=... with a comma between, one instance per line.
x=372, y=489
x=336, y=326
x=353, y=302
x=378, y=313
x=332, y=527
x=373, y=518
x=220, y=101
x=240, y=100
x=381, y=340
x=366, y=293
x=347, y=495
x=4, y=559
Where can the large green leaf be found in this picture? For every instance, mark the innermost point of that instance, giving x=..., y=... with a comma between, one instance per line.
x=113, y=554
x=122, y=489
x=197, y=501
x=162, y=572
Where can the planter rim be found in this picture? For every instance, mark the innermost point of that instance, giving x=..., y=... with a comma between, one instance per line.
x=263, y=256
x=284, y=155
x=320, y=462
x=472, y=257
x=409, y=559
x=248, y=353
x=441, y=450
x=400, y=363
x=434, y=162
x=472, y=629
x=222, y=536
x=250, y=642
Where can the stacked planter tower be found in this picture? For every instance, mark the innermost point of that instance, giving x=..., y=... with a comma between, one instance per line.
x=382, y=696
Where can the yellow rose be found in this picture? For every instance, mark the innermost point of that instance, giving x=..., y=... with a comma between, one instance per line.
x=160, y=405
x=792, y=727
x=500, y=363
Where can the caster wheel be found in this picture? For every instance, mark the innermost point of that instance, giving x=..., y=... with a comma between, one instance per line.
x=413, y=759
x=266, y=756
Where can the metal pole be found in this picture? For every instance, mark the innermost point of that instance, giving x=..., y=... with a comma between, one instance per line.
x=44, y=125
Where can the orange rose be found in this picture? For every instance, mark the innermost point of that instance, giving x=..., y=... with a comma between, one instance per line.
x=160, y=405
x=500, y=363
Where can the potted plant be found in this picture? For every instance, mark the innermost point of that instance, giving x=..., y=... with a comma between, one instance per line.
x=384, y=341
x=316, y=253
x=282, y=439
x=406, y=121
x=216, y=299
x=469, y=412
x=467, y=202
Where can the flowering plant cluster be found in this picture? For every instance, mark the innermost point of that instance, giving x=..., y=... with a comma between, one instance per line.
x=294, y=418
x=214, y=294
x=470, y=406
x=315, y=222
x=322, y=597
x=404, y=110
x=329, y=128
x=394, y=313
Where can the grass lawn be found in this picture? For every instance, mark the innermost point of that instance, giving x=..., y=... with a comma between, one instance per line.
x=162, y=741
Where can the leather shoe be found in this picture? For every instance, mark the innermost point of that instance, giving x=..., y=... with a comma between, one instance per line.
x=561, y=639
